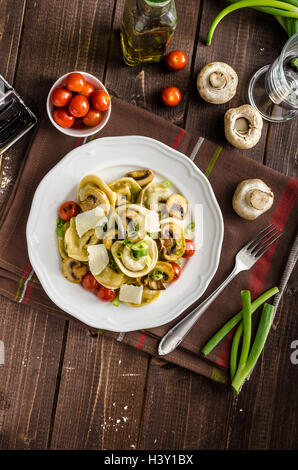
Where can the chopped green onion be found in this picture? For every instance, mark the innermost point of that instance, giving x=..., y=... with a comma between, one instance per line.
x=116, y=301
x=148, y=261
x=139, y=246
x=119, y=254
x=59, y=225
x=166, y=183
x=294, y=63
x=157, y=275
x=127, y=243
x=138, y=254
x=189, y=228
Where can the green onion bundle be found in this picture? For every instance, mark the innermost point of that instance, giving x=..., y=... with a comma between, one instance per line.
x=241, y=369
x=284, y=11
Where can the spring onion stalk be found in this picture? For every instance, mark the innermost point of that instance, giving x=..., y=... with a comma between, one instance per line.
x=234, y=350
x=284, y=9
x=227, y=327
x=246, y=314
x=257, y=347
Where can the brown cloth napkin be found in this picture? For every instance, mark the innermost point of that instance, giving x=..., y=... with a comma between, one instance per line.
x=225, y=168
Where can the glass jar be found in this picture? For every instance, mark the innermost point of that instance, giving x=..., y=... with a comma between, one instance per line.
x=146, y=29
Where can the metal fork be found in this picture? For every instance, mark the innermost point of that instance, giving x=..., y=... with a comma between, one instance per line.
x=245, y=259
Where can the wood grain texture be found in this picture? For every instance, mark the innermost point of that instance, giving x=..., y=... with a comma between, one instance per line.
x=246, y=40
x=32, y=343
x=182, y=410
x=101, y=393
x=265, y=414
x=142, y=84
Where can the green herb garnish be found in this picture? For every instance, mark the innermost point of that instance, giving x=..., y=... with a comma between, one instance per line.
x=189, y=229
x=59, y=225
x=166, y=183
x=116, y=301
x=157, y=275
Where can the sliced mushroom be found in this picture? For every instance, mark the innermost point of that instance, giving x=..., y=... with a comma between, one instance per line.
x=162, y=273
x=252, y=198
x=217, y=82
x=243, y=126
x=73, y=270
x=109, y=237
x=172, y=241
x=95, y=197
x=177, y=206
x=143, y=177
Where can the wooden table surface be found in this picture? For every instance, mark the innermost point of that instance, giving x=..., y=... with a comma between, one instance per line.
x=60, y=386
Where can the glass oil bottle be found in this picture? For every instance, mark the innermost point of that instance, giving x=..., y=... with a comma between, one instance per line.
x=146, y=29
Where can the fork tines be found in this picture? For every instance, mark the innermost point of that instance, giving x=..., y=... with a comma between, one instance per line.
x=263, y=240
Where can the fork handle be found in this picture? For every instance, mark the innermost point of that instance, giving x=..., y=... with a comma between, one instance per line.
x=176, y=334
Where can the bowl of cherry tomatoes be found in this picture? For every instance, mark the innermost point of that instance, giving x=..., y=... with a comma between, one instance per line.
x=78, y=104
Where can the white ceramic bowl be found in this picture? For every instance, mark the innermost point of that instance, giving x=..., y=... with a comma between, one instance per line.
x=88, y=130
x=111, y=158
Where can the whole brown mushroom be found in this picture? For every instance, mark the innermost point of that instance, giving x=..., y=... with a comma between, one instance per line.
x=243, y=126
x=217, y=82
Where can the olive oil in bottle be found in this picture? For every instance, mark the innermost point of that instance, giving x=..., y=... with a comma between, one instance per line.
x=146, y=29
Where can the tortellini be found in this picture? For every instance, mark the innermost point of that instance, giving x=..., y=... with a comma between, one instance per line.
x=127, y=190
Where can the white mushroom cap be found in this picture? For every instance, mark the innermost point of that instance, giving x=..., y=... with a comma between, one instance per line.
x=243, y=126
x=252, y=198
x=217, y=82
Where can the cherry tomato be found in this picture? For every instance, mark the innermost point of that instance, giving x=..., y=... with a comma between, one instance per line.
x=105, y=294
x=87, y=90
x=75, y=82
x=60, y=96
x=63, y=118
x=176, y=60
x=78, y=106
x=69, y=209
x=170, y=96
x=177, y=271
x=100, y=100
x=78, y=124
x=92, y=118
x=89, y=282
x=190, y=248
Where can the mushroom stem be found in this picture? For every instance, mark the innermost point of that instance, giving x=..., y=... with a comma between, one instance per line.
x=258, y=199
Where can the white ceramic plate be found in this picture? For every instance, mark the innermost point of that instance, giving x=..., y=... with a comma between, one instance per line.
x=111, y=158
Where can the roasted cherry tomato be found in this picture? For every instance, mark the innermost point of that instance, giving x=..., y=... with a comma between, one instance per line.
x=78, y=106
x=100, y=100
x=78, y=124
x=60, y=96
x=75, y=82
x=69, y=209
x=105, y=294
x=92, y=118
x=190, y=248
x=176, y=60
x=177, y=271
x=63, y=118
x=170, y=96
x=87, y=90
x=89, y=282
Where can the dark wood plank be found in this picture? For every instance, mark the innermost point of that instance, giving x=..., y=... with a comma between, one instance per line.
x=32, y=343
x=265, y=414
x=142, y=84
x=10, y=34
x=101, y=393
x=246, y=40
x=193, y=410
x=74, y=38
